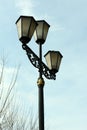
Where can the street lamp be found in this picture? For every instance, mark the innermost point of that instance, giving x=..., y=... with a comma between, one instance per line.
x=26, y=27
x=41, y=31
x=53, y=59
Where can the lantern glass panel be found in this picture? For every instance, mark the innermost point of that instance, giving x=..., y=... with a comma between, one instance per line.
x=32, y=27
x=59, y=58
x=45, y=31
x=19, y=28
x=54, y=60
x=48, y=60
x=25, y=27
x=38, y=34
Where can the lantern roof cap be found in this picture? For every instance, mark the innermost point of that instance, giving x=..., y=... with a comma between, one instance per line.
x=43, y=21
x=22, y=16
x=54, y=52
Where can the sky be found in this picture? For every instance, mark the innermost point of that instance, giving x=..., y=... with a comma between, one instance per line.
x=65, y=98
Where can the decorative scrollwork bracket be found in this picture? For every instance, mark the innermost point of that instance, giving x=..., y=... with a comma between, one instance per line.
x=35, y=60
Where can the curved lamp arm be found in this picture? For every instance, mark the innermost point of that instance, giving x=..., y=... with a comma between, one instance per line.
x=35, y=60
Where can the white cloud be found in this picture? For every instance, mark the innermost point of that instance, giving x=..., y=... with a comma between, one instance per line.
x=25, y=7
x=8, y=74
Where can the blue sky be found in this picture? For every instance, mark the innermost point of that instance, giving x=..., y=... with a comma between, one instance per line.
x=65, y=98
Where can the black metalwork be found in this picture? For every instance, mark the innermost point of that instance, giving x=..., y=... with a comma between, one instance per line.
x=35, y=60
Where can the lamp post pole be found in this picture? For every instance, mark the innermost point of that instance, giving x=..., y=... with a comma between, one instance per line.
x=27, y=26
x=40, y=84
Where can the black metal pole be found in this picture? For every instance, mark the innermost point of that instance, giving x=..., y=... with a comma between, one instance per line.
x=40, y=56
x=41, y=108
x=41, y=92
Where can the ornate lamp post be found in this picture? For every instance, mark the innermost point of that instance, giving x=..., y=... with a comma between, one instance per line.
x=26, y=27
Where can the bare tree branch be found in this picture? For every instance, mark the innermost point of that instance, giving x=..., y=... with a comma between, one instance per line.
x=10, y=118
